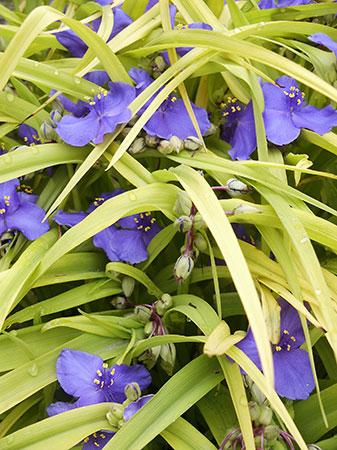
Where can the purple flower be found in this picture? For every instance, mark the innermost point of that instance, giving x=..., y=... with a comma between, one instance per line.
x=19, y=212
x=286, y=112
x=324, y=39
x=28, y=134
x=126, y=240
x=77, y=47
x=88, y=378
x=293, y=374
x=171, y=118
x=99, y=77
x=268, y=4
x=238, y=128
x=99, y=117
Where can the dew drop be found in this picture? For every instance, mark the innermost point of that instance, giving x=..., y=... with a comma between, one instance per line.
x=8, y=159
x=77, y=80
x=318, y=291
x=33, y=370
x=56, y=73
x=10, y=97
x=132, y=196
x=36, y=64
x=304, y=240
x=35, y=150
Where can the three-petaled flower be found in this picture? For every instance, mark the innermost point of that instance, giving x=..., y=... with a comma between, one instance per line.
x=28, y=134
x=126, y=240
x=18, y=211
x=98, y=117
x=293, y=374
x=285, y=114
x=171, y=118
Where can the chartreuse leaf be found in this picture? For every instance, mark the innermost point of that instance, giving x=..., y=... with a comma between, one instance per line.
x=62, y=431
x=147, y=198
x=222, y=42
x=14, y=281
x=30, y=159
x=74, y=297
x=211, y=211
x=40, y=372
x=216, y=165
x=17, y=412
x=298, y=12
x=135, y=273
x=199, y=12
x=181, y=435
x=14, y=355
x=175, y=397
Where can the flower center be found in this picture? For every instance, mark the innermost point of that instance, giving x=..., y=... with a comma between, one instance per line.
x=295, y=96
x=104, y=378
x=286, y=342
x=231, y=109
x=144, y=221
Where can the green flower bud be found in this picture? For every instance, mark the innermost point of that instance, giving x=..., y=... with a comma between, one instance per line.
x=257, y=395
x=271, y=433
x=183, y=204
x=117, y=410
x=177, y=144
x=246, y=209
x=128, y=285
x=236, y=188
x=183, y=224
x=143, y=313
x=164, y=304
x=199, y=223
x=47, y=131
x=113, y=421
x=266, y=416
x=148, y=328
x=119, y=302
x=200, y=242
x=137, y=146
x=183, y=268
x=277, y=445
x=151, y=141
x=159, y=64
x=150, y=357
x=132, y=392
x=168, y=358
x=165, y=147
x=192, y=143
x=254, y=410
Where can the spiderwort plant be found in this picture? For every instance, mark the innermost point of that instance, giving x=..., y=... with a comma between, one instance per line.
x=293, y=375
x=126, y=240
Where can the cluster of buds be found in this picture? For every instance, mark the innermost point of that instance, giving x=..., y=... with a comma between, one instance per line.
x=48, y=127
x=151, y=316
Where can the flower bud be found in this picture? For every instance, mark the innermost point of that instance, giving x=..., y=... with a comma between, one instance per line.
x=168, y=358
x=56, y=116
x=257, y=394
x=183, y=268
x=128, y=285
x=137, y=146
x=119, y=302
x=148, y=328
x=183, y=224
x=177, y=144
x=277, y=445
x=236, y=188
x=271, y=433
x=246, y=209
x=132, y=392
x=117, y=410
x=199, y=223
x=266, y=416
x=254, y=410
x=143, y=313
x=150, y=357
x=164, y=304
x=183, y=204
x=165, y=147
x=159, y=64
x=47, y=131
x=192, y=143
x=200, y=242
x=151, y=141
x=211, y=130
